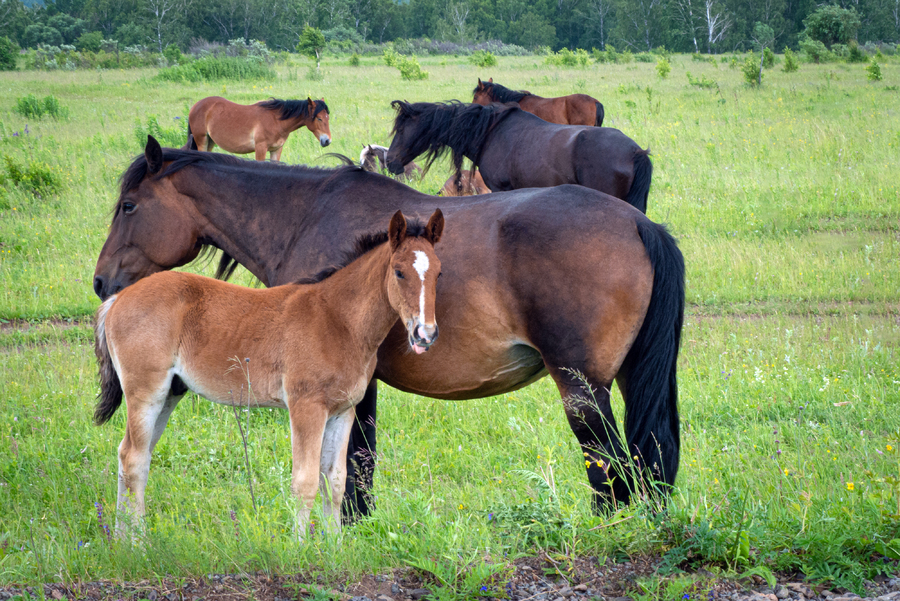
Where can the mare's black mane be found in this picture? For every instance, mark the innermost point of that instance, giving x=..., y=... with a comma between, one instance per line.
x=463, y=128
x=364, y=244
x=291, y=109
x=502, y=94
x=179, y=159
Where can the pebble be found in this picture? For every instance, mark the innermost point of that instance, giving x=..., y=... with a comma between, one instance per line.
x=418, y=593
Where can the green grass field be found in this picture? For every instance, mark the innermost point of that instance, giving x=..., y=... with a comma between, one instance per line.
x=785, y=202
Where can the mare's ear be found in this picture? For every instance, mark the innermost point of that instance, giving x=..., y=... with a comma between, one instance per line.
x=312, y=105
x=397, y=230
x=480, y=85
x=153, y=154
x=435, y=227
x=491, y=80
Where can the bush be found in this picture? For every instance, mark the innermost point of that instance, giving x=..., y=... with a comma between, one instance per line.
x=609, y=55
x=89, y=41
x=311, y=44
x=173, y=54
x=643, y=57
x=36, y=177
x=32, y=107
x=568, y=58
x=790, y=61
x=702, y=81
x=410, y=69
x=873, y=71
x=390, y=56
x=663, y=68
x=750, y=69
x=172, y=137
x=855, y=54
x=832, y=24
x=8, y=53
x=768, y=58
x=482, y=58
x=815, y=51
x=218, y=68
x=354, y=60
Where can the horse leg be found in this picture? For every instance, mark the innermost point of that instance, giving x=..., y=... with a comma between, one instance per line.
x=275, y=155
x=333, y=466
x=261, y=149
x=361, y=456
x=148, y=414
x=308, y=420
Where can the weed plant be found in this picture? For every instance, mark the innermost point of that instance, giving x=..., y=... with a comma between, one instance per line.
x=218, y=68
x=32, y=107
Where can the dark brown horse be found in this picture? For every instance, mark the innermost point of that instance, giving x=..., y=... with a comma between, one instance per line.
x=514, y=149
x=259, y=128
x=534, y=282
x=574, y=109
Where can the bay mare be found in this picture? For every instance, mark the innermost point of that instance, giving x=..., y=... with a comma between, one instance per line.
x=514, y=149
x=573, y=109
x=310, y=348
x=258, y=128
x=534, y=282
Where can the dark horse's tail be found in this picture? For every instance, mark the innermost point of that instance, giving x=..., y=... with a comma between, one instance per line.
x=110, y=396
x=599, y=115
x=191, y=143
x=640, y=185
x=651, y=390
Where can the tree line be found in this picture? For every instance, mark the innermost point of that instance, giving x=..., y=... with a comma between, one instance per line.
x=707, y=26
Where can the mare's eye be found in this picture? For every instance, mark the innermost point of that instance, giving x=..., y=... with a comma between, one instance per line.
x=399, y=274
x=128, y=208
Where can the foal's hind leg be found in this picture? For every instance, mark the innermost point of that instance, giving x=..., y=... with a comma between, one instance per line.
x=308, y=419
x=361, y=457
x=148, y=414
x=333, y=466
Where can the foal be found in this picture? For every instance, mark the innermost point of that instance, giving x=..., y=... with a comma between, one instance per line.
x=310, y=348
x=374, y=158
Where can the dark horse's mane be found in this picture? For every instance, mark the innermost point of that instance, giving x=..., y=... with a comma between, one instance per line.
x=364, y=244
x=502, y=94
x=291, y=109
x=178, y=159
x=463, y=128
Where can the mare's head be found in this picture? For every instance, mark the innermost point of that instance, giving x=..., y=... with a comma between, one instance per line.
x=311, y=113
x=152, y=228
x=412, y=278
x=482, y=94
x=372, y=158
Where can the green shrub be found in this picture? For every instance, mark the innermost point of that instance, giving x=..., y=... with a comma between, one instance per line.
x=643, y=57
x=8, y=53
x=36, y=177
x=354, y=60
x=768, y=58
x=172, y=137
x=410, y=69
x=32, y=107
x=568, y=58
x=790, y=61
x=172, y=54
x=390, y=56
x=815, y=51
x=218, y=68
x=855, y=54
x=701, y=82
x=663, y=68
x=873, y=71
x=311, y=44
x=832, y=24
x=90, y=42
x=483, y=58
x=751, y=71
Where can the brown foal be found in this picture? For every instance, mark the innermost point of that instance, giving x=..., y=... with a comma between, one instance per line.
x=260, y=128
x=310, y=348
x=469, y=185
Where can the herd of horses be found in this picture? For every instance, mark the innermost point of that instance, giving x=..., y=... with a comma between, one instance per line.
x=539, y=277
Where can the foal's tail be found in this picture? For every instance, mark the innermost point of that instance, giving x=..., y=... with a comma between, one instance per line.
x=600, y=114
x=110, y=396
x=651, y=389
x=640, y=185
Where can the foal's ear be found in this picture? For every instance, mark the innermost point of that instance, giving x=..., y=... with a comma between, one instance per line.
x=491, y=80
x=435, y=227
x=397, y=230
x=153, y=154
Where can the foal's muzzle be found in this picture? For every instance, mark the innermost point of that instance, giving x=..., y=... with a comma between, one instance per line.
x=422, y=337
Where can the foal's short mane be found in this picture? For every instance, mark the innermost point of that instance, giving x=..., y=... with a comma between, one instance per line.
x=291, y=109
x=503, y=94
x=364, y=244
x=440, y=125
x=179, y=159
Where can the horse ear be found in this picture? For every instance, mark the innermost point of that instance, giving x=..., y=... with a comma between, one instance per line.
x=397, y=230
x=491, y=80
x=153, y=154
x=480, y=85
x=435, y=227
x=311, y=103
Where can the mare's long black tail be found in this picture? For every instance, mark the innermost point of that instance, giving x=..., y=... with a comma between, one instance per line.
x=110, y=396
x=640, y=185
x=651, y=388
x=600, y=114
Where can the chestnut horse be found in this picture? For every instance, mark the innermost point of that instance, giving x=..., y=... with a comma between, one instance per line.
x=574, y=109
x=308, y=347
x=260, y=128
x=372, y=158
x=467, y=185
x=514, y=149
x=535, y=282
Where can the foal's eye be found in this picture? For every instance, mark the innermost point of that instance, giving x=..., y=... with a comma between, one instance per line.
x=399, y=274
x=128, y=208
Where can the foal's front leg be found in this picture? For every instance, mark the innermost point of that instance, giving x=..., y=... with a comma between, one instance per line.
x=307, y=429
x=333, y=466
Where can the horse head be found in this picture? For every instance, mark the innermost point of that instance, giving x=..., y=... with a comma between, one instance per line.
x=318, y=120
x=482, y=94
x=151, y=229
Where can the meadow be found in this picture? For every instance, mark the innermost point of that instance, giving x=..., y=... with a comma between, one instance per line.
x=785, y=203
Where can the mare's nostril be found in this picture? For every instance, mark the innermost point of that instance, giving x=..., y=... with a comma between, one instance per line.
x=98, y=287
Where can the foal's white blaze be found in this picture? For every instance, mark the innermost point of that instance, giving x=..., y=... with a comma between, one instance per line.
x=421, y=267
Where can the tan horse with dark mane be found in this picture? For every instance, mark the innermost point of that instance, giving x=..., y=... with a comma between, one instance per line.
x=468, y=185
x=574, y=109
x=259, y=128
x=310, y=348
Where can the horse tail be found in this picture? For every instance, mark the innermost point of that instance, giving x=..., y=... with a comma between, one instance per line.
x=110, y=396
x=600, y=114
x=640, y=185
x=650, y=386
